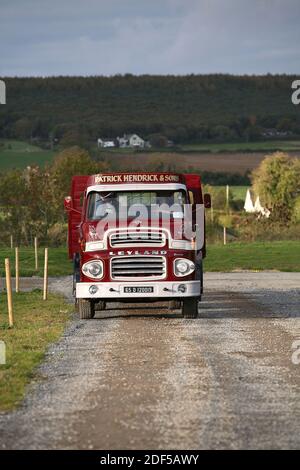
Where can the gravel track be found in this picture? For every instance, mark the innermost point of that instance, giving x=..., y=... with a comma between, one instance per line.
x=146, y=378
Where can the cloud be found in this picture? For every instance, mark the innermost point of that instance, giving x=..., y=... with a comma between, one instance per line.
x=139, y=36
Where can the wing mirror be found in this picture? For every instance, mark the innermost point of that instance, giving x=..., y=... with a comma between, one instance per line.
x=207, y=201
x=68, y=203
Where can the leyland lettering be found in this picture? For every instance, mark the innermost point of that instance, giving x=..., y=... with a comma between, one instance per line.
x=123, y=249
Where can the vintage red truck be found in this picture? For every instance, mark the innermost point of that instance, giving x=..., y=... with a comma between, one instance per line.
x=137, y=237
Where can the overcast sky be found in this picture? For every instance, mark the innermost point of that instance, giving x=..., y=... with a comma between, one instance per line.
x=92, y=37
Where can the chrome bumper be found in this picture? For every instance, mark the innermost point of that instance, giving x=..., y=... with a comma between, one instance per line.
x=115, y=290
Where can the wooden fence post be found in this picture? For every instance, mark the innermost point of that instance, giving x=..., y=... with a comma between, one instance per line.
x=45, y=293
x=224, y=236
x=11, y=242
x=9, y=292
x=227, y=197
x=36, y=253
x=17, y=268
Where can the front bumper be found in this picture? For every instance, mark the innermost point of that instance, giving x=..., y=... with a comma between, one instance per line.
x=115, y=290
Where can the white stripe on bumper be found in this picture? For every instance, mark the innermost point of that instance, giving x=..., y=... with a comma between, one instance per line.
x=114, y=290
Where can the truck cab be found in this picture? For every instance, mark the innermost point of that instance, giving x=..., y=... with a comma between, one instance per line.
x=137, y=237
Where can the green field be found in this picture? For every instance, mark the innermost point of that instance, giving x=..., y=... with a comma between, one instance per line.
x=277, y=255
x=261, y=146
x=36, y=324
x=17, y=154
x=238, y=192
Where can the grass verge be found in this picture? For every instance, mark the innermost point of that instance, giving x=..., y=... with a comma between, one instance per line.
x=37, y=323
x=277, y=255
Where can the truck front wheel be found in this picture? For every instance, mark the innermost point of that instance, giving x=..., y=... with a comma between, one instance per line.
x=86, y=309
x=190, y=307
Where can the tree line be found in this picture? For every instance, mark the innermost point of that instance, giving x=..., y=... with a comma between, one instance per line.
x=191, y=108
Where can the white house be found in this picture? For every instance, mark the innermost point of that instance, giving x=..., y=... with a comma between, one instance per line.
x=123, y=141
x=135, y=141
x=131, y=140
x=106, y=143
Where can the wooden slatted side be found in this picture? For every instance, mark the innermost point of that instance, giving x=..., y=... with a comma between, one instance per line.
x=193, y=183
x=77, y=192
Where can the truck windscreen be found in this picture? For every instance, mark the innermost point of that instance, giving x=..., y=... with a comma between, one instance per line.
x=101, y=203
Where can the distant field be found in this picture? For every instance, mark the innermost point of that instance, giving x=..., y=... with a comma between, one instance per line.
x=17, y=154
x=227, y=158
x=238, y=192
x=236, y=157
x=235, y=162
x=271, y=145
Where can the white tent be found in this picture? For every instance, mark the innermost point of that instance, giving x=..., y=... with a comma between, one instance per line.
x=260, y=209
x=248, y=206
x=257, y=206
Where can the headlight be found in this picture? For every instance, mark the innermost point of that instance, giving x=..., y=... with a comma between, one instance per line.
x=183, y=267
x=93, y=269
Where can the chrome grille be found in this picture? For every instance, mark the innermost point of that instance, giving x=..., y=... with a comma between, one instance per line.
x=139, y=266
x=139, y=237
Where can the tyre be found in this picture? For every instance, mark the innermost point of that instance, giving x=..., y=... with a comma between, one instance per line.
x=101, y=305
x=76, y=278
x=190, y=307
x=199, y=275
x=86, y=309
x=174, y=305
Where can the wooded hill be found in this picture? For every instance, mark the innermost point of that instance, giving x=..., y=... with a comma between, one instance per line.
x=190, y=108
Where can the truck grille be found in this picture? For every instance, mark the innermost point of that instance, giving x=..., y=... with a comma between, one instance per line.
x=130, y=267
x=134, y=238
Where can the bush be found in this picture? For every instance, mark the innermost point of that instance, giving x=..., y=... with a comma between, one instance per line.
x=57, y=235
x=253, y=229
x=237, y=204
x=226, y=220
x=277, y=182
